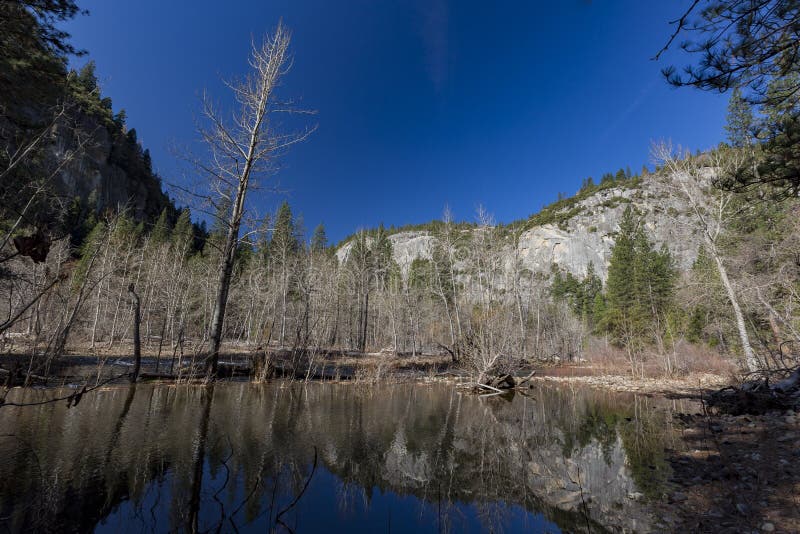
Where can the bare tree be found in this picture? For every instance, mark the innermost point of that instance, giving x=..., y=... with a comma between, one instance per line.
x=241, y=149
x=445, y=256
x=712, y=211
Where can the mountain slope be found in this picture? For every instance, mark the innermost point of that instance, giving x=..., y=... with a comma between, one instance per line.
x=573, y=232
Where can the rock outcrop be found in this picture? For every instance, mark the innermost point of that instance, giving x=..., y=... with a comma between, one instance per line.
x=110, y=171
x=583, y=235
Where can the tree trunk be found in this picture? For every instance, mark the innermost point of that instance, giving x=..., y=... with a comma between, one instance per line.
x=224, y=280
x=365, y=323
x=137, y=343
x=744, y=337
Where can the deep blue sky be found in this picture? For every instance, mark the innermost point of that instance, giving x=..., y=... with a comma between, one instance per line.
x=421, y=103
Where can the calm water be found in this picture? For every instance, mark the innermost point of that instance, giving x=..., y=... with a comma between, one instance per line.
x=399, y=458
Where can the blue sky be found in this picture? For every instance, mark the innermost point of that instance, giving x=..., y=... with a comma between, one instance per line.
x=421, y=103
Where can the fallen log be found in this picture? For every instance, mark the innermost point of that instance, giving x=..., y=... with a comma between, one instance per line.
x=758, y=396
x=487, y=386
x=527, y=378
x=789, y=383
x=506, y=381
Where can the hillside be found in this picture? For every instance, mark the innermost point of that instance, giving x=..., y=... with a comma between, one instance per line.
x=571, y=233
x=67, y=158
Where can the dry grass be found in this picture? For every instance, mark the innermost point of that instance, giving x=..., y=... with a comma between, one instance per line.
x=685, y=359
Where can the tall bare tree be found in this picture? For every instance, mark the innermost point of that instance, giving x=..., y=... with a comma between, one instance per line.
x=240, y=150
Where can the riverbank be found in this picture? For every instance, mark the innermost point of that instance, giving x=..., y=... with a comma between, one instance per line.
x=734, y=473
x=692, y=385
x=81, y=361
x=738, y=473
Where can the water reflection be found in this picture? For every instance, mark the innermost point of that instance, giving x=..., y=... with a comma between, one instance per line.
x=237, y=457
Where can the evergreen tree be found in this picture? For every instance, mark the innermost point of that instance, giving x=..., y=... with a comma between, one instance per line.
x=283, y=252
x=598, y=308
x=751, y=47
x=740, y=121
x=161, y=229
x=33, y=54
x=319, y=240
x=620, y=292
x=565, y=288
x=420, y=273
x=640, y=284
x=284, y=239
x=89, y=249
x=183, y=233
x=591, y=286
x=578, y=294
x=381, y=256
x=219, y=224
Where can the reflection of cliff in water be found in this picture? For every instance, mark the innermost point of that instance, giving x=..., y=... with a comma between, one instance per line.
x=192, y=457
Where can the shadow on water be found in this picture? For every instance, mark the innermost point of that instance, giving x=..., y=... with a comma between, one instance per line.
x=327, y=457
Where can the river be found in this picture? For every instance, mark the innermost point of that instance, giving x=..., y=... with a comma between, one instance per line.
x=322, y=457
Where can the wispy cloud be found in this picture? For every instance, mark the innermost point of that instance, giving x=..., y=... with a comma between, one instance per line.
x=435, y=40
x=630, y=110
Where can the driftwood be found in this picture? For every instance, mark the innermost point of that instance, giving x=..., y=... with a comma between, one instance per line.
x=761, y=392
x=504, y=383
x=508, y=381
x=789, y=383
x=487, y=386
x=527, y=378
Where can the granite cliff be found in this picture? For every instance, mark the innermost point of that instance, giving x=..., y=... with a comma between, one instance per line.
x=575, y=232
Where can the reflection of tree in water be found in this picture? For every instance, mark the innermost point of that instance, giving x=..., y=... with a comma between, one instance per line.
x=233, y=454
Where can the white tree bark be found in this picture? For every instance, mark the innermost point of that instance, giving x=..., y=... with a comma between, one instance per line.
x=711, y=211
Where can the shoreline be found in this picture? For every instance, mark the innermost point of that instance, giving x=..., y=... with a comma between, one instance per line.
x=77, y=365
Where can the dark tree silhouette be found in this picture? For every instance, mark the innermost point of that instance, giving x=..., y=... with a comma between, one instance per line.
x=740, y=43
x=752, y=46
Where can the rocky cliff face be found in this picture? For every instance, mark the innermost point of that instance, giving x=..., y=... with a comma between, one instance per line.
x=588, y=236
x=584, y=234
x=86, y=158
x=109, y=171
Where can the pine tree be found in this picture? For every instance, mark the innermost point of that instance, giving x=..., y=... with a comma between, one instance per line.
x=284, y=240
x=381, y=256
x=161, y=229
x=653, y=280
x=640, y=284
x=420, y=273
x=740, y=120
x=598, y=309
x=319, y=240
x=283, y=249
x=219, y=225
x=183, y=233
x=89, y=249
x=591, y=286
x=621, y=296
